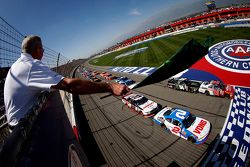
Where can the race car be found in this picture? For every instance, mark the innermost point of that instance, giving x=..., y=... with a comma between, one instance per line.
x=211, y=89
x=104, y=74
x=110, y=77
x=94, y=73
x=95, y=79
x=183, y=124
x=141, y=104
x=128, y=82
x=125, y=81
x=229, y=91
x=172, y=83
x=178, y=83
x=194, y=86
x=119, y=79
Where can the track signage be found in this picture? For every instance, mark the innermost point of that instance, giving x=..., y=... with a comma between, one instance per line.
x=232, y=55
x=134, y=70
x=233, y=146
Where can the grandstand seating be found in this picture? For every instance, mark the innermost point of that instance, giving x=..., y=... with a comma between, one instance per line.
x=213, y=16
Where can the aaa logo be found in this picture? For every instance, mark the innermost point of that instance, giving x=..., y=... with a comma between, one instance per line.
x=232, y=55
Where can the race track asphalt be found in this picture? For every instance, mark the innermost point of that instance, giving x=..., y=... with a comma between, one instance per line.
x=126, y=138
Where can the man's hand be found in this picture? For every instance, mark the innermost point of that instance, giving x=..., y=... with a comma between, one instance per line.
x=119, y=89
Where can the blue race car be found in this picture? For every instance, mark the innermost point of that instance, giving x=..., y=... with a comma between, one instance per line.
x=125, y=81
x=183, y=124
x=129, y=82
x=121, y=79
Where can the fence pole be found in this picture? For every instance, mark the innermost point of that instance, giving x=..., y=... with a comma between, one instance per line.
x=58, y=57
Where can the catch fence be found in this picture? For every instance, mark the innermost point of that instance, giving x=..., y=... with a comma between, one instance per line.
x=10, y=49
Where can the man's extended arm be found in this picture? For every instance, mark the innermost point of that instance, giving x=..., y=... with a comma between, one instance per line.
x=79, y=86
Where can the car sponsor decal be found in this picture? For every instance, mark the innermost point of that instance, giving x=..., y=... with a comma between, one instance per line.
x=148, y=105
x=134, y=70
x=200, y=126
x=232, y=147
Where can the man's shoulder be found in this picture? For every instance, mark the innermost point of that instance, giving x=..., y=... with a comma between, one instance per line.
x=28, y=60
x=37, y=64
x=21, y=65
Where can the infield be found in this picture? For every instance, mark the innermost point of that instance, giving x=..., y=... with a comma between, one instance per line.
x=160, y=50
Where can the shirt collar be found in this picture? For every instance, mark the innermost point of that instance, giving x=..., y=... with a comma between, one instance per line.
x=27, y=56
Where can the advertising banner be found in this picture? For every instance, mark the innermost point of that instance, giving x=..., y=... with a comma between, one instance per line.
x=232, y=147
x=227, y=61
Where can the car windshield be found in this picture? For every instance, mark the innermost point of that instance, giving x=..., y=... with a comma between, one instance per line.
x=123, y=78
x=195, y=84
x=216, y=87
x=173, y=80
x=141, y=101
x=168, y=112
x=188, y=121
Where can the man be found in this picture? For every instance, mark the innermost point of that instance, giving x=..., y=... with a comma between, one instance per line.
x=28, y=76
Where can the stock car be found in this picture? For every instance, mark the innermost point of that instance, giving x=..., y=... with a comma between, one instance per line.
x=179, y=84
x=184, y=84
x=110, y=77
x=183, y=124
x=128, y=82
x=119, y=79
x=194, y=86
x=211, y=89
x=125, y=81
x=172, y=83
x=228, y=89
x=141, y=104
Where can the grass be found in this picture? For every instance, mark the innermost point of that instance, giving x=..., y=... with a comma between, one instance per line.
x=160, y=50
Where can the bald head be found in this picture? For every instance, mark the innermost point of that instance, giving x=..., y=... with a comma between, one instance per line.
x=30, y=43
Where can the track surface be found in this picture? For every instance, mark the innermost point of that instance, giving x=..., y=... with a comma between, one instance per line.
x=128, y=139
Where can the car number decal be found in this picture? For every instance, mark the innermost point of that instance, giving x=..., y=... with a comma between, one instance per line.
x=181, y=114
x=176, y=129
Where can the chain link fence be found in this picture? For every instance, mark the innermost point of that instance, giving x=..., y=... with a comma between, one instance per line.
x=10, y=48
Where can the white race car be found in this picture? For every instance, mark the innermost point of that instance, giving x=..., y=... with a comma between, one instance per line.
x=211, y=89
x=183, y=124
x=141, y=104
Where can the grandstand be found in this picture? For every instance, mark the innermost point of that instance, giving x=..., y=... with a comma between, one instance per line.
x=215, y=15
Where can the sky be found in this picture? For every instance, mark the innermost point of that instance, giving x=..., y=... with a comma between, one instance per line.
x=81, y=28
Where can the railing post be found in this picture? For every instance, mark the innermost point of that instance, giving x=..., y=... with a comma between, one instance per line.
x=58, y=57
